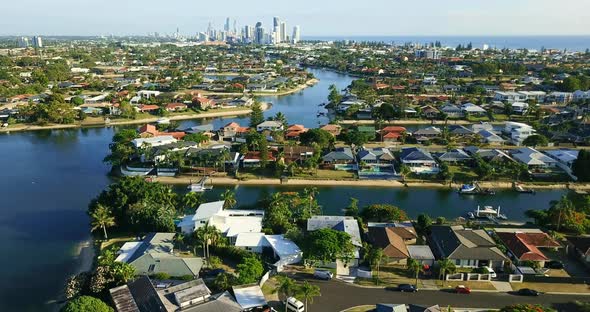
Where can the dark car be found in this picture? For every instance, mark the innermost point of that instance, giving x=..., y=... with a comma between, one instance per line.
x=407, y=288
x=554, y=265
x=527, y=292
x=211, y=273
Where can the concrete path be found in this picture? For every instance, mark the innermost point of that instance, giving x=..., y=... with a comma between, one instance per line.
x=502, y=286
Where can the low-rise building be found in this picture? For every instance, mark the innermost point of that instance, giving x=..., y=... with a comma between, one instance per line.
x=419, y=160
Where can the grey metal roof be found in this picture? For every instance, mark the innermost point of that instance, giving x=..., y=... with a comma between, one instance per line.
x=414, y=153
x=459, y=243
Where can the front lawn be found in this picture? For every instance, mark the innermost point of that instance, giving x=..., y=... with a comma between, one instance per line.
x=553, y=287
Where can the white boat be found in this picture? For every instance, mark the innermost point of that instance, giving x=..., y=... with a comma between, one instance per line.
x=468, y=188
x=163, y=121
x=135, y=172
x=200, y=187
x=487, y=212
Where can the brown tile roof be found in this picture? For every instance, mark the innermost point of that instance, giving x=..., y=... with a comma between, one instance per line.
x=525, y=246
x=392, y=244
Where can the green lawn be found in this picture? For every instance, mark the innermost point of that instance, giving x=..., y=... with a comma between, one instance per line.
x=462, y=173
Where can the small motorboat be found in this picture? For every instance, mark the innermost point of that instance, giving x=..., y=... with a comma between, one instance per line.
x=200, y=187
x=523, y=190
x=468, y=189
x=488, y=212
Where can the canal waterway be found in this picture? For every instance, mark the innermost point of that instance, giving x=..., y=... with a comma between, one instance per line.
x=48, y=177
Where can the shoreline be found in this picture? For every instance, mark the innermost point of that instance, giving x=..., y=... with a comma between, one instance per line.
x=364, y=183
x=307, y=84
x=85, y=256
x=232, y=113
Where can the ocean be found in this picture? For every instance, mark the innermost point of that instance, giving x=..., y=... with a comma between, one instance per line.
x=571, y=43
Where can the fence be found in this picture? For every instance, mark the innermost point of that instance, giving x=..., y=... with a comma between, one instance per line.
x=454, y=277
x=264, y=278
x=515, y=278
x=476, y=277
x=364, y=273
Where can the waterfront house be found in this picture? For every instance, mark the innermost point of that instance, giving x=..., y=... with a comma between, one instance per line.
x=155, y=254
x=332, y=129
x=392, y=133
x=145, y=108
x=153, y=141
x=459, y=131
x=565, y=158
x=454, y=156
x=427, y=133
x=489, y=155
x=579, y=246
x=419, y=160
x=176, y=107
x=253, y=159
x=341, y=155
x=230, y=222
x=452, y=111
x=525, y=245
x=422, y=254
x=393, y=246
x=533, y=158
x=465, y=247
x=294, y=131
x=234, y=132
x=298, y=153
x=147, y=94
x=379, y=155
x=518, y=132
x=430, y=112
x=270, y=125
x=472, y=109
x=344, y=224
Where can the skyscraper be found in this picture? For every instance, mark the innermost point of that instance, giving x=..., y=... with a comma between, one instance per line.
x=227, y=24
x=37, y=42
x=23, y=42
x=276, y=22
x=283, y=32
x=259, y=34
x=296, y=34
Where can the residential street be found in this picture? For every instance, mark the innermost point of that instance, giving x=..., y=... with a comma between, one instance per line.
x=337, y=296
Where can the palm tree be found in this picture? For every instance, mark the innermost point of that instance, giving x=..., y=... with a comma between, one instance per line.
x=208, y=235
x=286, y=286
x=229, y=197
x=308, y=292
x=376, y=256
x=445, y=266
x=415, y=267
x=102, y=218
x=280, y=117
x=404, y=171
x=191, y=200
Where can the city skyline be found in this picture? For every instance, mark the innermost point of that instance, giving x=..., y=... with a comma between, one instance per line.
x=382, y=18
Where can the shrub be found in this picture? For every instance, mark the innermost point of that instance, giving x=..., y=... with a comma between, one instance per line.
x=161, y=276
x=85, y=304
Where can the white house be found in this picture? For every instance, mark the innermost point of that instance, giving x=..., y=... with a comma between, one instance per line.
x=520, y=107
x=285, y=250
x=509, y=96
x=565, y=159
x=230, y=222
x=538, y=96
x=518, y=132
x=270, y=125
x=154, y=141
x=581, y=95
x=472, y=109
x=147, y=94
x=533, y=158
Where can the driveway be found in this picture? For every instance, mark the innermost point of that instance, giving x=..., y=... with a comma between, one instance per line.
x=572, y=266
x=337, y=296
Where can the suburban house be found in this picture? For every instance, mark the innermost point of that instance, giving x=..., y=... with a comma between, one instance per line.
x=154, y=141
x=141, y=295
x=520, y=107
x=509, y=97
x=565, y=158
x=490, y=137
x=378, y=155
x=343, y=224
x=422, y=254
x=341, y=155
x=155, y=254
x=233, y=131
x=419, y=160
x=430, y=112
x=146, y=94
x=472, y=109
x=533, y=158
x=452, y=111
x=147, y=131
x=525, y=246
x=427, y=133
x=283, y=249
x=294, y=131
x=489, y=155
x=254, y=159
x=460, y=131
x=249, y=297
x=580, y=247
x=392, y=133
x=454, y=156
x=393, y=245
x=176, y=107
x=332, y=129
x=270, y=125
x=230, y=222
x=518, y=132
x=297, y=153
x=465, y=247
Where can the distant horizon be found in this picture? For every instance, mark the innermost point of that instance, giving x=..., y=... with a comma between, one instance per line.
x=313, y=36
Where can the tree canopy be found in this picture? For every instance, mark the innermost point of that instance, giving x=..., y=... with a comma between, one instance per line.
x=581, y=166
x=328, y=245
x=85, y=304
x=383, y=213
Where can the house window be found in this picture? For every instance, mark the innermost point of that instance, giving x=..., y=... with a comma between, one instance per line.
x=458, y=262
x=151, y=268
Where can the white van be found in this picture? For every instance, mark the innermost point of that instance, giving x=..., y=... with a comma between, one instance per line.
x=294, y=305
x=323, y=274
x=490, y=271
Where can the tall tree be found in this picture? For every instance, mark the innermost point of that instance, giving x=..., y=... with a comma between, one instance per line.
x=445, y=266
x=102, y=218
x=286, y=286
x=308, y=292
x=229, y=197
x=257, y=116
x=415, y=267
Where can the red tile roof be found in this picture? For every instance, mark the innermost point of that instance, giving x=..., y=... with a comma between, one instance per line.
x=525, y=246
x=394, y=129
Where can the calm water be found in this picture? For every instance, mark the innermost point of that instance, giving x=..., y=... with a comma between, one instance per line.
x=571, y=43
x=48, y=178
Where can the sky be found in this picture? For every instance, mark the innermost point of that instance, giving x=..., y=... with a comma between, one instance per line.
x=316, y=17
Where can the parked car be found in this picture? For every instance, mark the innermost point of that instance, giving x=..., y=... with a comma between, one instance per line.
x=528, y=292
x=490, y=271
x=323, y=274
x=407, y=288
x=294, y=305
x=211, y=273
x=461, y=289
x=554, y=264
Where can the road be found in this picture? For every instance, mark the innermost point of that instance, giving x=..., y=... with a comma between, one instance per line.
x=337, y=296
